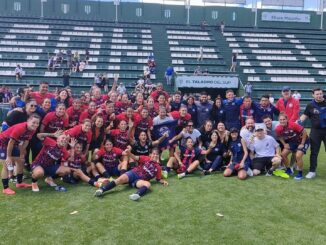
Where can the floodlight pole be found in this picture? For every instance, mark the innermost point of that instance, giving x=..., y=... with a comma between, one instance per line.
x=321, y=14
x=188, y=11
x=255, y=9
x=42, y=8
x=116, y=3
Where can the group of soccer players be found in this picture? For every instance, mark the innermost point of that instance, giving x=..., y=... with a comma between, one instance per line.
x=107, y=140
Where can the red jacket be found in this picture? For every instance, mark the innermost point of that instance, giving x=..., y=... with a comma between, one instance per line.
x=292, y=108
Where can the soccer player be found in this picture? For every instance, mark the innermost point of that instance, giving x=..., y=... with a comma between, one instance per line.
x=143, y=146
x=239, y=162
x=74, y=112
x=294, y=139
x=185, y=160
x=47, y=162
x=83, y=134
x=140, y=176
x=54, y=121
x=42, y=93
x=144, y=124
x=182, y=116
x=13, y=143
x=213, y=159
x=89, y=113
x=78, y=165
x=107, y=160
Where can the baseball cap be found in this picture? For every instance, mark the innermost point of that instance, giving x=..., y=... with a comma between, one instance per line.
x=234, y=130
x=286, y=88
x=260, y=126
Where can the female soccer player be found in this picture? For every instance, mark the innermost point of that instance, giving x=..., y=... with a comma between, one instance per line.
x=98, y=133
x=13, y=143
x=47, y=162
x=107, y=160
x=185, y=160
x=83, y=134
x=54, y=121
x=140, y=176
x=78, y=165
x=294, y=139
x=239, y=156
x=213, y=159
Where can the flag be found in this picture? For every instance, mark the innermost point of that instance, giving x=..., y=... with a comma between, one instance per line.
x=160, y=129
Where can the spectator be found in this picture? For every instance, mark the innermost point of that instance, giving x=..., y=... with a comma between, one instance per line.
x=248, y=89
x=203, y=24
x=121, y=89
x=288, y=105
x=316, y=112
x=296, y=95
x=169, y=74
x=201, y=54
x=65, y=79
x=19, y=72
x=198, y=71
x=87, y=56
x=222, y=26
x=234, y=62
x=203, y=109
x=69, y=59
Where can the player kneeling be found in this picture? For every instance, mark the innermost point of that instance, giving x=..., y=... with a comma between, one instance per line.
x=77, y=164
x=239, y=156
x=47, y=162
x=140, y=176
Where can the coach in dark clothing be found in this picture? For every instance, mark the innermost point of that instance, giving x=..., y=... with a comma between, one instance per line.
x=316, y=112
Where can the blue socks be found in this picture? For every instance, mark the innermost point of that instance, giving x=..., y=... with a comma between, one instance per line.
x=142, y=191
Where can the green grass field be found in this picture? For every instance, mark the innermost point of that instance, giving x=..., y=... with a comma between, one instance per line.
x=260, y=210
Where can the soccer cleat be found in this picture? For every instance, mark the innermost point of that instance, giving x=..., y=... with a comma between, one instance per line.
x=281, y=173
x=134, y=197
x=182, y=175
x=289, y=171
x=8, y=191
x=311, y=175
x=249, y=172
x=165, y=174
x=23, y=185
x=298, y=177
x=98, y=184
x=35, y=187
x=98, y=193
x=50, y=182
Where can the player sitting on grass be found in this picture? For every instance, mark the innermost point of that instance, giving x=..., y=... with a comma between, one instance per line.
x=239, y=162
x=186, y=159
x=294, y=139
x=77, y=164
x=265, y=152
x=140, y=176
x=107, y=160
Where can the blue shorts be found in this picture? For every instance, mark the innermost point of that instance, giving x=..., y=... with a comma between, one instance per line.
x=51, y=170
x=133, y=178
x=294, y=146
x=113, y=171
x=3, y=153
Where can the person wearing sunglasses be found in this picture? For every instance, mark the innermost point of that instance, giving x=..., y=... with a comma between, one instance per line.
x=188, y=132
x=19, y=115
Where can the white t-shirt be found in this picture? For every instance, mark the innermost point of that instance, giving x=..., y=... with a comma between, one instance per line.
x=246, y=134
x=194, y=136
x=264, y=147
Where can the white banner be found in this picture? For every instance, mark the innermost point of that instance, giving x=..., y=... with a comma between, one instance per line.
x=190, y=81
x=288, y=3
x=285, y=17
